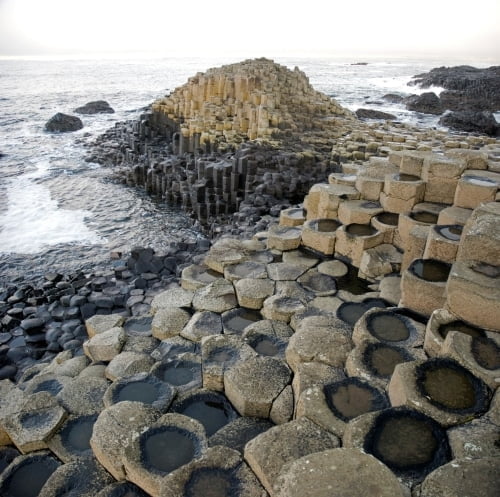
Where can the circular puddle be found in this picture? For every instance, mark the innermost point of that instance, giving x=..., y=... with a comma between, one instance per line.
x=430, y=269
x=424, y=217
x=388, y=327
x=360, y=230
x=381, y=359
x=139, y=391
x=486, y=352
x=388, y=218
x=211, y=482
x=324, y=225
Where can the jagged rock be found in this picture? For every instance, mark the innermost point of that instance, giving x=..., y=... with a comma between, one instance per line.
x=471, y=122
x=63, y=123
x=427, y=103
x=95, y=107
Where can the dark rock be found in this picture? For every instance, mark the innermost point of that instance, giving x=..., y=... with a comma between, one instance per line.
x=393, y=98
x=53, y=277
x=96, y=107
x=32, y=325
x=374, y=114
x=467, y=88
x=471, y=122
x=427, y=103
x=88, y=310
x=62, y=123
x=8, y=372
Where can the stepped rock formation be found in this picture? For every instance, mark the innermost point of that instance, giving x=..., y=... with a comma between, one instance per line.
x=254, y=99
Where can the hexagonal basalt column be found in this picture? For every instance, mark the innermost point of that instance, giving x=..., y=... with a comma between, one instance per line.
x=292, y=217
x=253, y=385
x=408, y=221
x=376, y=361
x=390, y=326
x=474, y=190
x=334, y=405
x=440, y=324
x=481, y=355
x=423, y=285
x=440, y=388
x=252, y=293
x=219, y=296
x=441, y=175
x=443, y=242
x=337, y=473
x=370, y=188
x=358, y=211
x=410, y=443
x=284, y=238
x=183, y=373
x=330, y=198
x=195, y=276
x=353, y=239
x=171, y=442
x=320, y=235
x=401, y=192
x=281, y=308
x=387, y=223
x=473, y=293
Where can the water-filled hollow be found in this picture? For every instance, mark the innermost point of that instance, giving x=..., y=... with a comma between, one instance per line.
x=388, y=218
x=138, y=391
x=360, y=230
x=430, y=269
x=462, y=327
x=486, y=352
x=388, y=327
x=238, y=319
x=382, y=358
x=325, y=225
x=211, y=482
x=76, y=433
x=451, y=232
x=180, y=372
x=424, y=217
x=406, y=177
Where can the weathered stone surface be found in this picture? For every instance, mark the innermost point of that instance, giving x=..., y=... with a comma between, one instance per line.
x=251, y=293
x=174, y=297
x=427, y=103
x=471, y=122
x=169, y=322
x=218, y=296
x=337, y=473
x=475, y=478
x=229, y=251
x=95, y=107
x=284, y=238
x=218, y=471
x=381, y=260
x=474, y=440
x=100, y=323
x=196, y=276
x=326, y=344
x=252, y=385
x=269, y=452
x=83, y=395
x=314, y=374
x=202, y=324
x=283, y=407
x=128, y=363
x=281, y=308
x=63, y=123
x=247, y=269
x=73, y=478
x=115, y=428
x=106, y=345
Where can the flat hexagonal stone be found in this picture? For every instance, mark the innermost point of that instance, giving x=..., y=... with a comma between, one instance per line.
x=285, y=271
x=72, y=441
x=73, y=479
x=195, y=276
x=219, y=471
x=202, y=324
x=219, y=296
x=327, y=344
x=184, y=373
x=338, y=473
x=26, y=475
x=83, y=395
x=106, y=345
x=282, y=308
x=169, y=322
x=128, y=363
x=141, y=387
x=322, y=285
x=251, y=292
x=121, y=489
x=164, y=446
x=227, y=251
x=247, y=269
x=99, y=323
x=173, y=297
x=284, y=238
x=38, y=417
x=114, y=429
x=300, y=258
x=334, y=268
x=474, y=478
x=253, y=385
x=269, y=452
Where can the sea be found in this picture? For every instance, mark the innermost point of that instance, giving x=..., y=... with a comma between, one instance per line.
x=61, y=213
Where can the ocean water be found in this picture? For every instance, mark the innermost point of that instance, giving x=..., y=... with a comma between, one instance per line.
x=60, y=213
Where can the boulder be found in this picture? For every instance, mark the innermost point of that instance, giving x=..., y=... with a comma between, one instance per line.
x=483, y=122
x=63, y=123
x=374, y=114
x=95, y=107
x=427, y=103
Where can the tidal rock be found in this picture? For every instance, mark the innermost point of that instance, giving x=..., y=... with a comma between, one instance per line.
x=427, y=103
x=374, y=114
x=95, y=107
x=472, y=122
x=62, y=123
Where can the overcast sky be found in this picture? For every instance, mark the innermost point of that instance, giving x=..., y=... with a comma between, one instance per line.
x=437, y=28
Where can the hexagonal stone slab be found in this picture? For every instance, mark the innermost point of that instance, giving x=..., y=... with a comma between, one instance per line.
x=169, y=322
x=164, y=446
x=173, y=297
x=202, y=324
x=251, y=293
x=253, y=385
x=219, y=296
x=269, y=452
x=219, y=471
x=99, y=323
x=282, y=308
x=128, y=363
x=337, y=473
x=106, y=345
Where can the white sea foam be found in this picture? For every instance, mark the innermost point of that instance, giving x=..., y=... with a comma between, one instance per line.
x=33, y=221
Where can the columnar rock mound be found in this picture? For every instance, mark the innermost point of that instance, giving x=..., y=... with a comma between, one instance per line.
x=248, y=100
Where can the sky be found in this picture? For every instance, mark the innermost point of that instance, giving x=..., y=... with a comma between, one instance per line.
x=433, y=28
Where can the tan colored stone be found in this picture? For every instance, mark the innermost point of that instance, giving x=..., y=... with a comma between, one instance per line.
x=473, y=190
x=106, y=345
x=454, y=215
x=358, y=211
x=440, y=247
x=169, y=322
x=284, y=238
x=352, y=245
x=100, y=323
x=292, y=217
x=320, y=235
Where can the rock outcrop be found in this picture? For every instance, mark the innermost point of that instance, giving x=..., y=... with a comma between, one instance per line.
x=427, y=103
x=95, y=107
x=472, y=122
x=63, y=123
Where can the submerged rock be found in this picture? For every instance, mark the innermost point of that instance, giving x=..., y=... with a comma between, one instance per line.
x=471, y=122
x=95, y=107
x=374, y=114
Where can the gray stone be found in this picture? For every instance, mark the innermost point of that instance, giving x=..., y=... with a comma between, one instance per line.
x=100, y=323
x=106, y=345
x=269, y=452
x=169, y=322
x=285, y=271
x=83, y=395
x=202, y=324
x=173, y=297
x=128, y=363
x=219, y=296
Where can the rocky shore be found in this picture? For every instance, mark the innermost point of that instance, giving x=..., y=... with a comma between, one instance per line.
x=339, y=336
